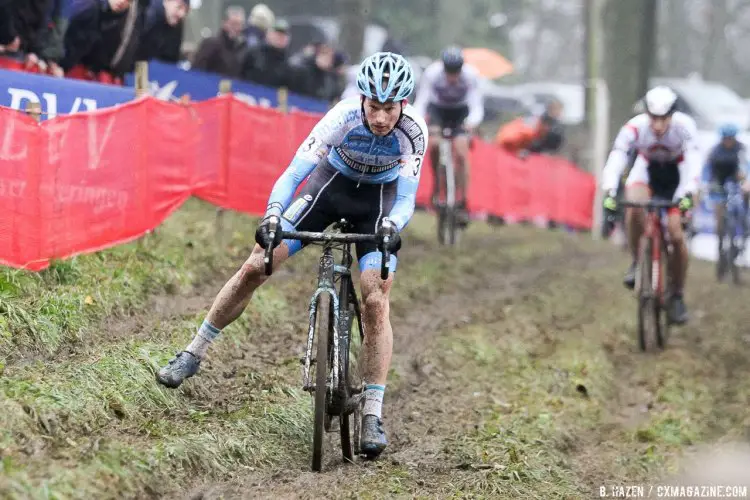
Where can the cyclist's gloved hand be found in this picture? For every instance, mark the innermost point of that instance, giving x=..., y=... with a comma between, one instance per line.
x=686, y=202
x=389, y=229
x=610, y=202
x=261, y=234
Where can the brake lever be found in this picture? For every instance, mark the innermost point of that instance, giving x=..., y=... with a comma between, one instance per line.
x=385, y=268
x=268, y=257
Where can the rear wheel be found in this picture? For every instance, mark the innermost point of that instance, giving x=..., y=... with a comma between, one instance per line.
x=348, y=373
x=322, y=334
x=665, y=302
x=447, y=217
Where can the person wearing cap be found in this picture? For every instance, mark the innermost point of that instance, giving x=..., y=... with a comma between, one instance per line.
x=315, y=75
x=261, y=19
x=223, y=54
x=268, y=62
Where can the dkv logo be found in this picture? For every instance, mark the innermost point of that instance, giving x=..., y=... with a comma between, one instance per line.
x=19, y=97
x=99, y=130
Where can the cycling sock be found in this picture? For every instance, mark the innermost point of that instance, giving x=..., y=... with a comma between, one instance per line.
x=374, y=399
x=206, y=334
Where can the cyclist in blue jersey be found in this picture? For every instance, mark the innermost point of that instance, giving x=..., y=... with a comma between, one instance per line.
x=364, y=160
x=725, y=172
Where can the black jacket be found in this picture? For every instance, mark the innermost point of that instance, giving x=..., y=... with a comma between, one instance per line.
x=267, y=65
x=307, y=79
x=220, y=54
x=103, y=40
x=160, y=40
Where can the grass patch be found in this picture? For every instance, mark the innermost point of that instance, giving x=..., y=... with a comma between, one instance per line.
x=41, y=312
x=534, y=382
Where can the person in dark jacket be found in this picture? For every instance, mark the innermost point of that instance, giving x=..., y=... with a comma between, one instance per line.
x=224, y=53
x=103, y=35
x=268, y=63
x=33, y=22
x=163, y=31
x=551, y=131
x=315, y=76
x=7, y=32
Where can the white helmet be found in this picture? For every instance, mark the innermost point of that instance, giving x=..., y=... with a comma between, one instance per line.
x=660, y=101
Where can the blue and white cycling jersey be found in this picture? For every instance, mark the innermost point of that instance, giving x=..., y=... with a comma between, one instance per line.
x=351, y=148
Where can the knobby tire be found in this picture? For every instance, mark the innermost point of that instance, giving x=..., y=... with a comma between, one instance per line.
x=646, y=299
x=346, y=312
x=322, y=334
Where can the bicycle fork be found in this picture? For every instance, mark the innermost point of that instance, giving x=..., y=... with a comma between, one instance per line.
x=325, y=285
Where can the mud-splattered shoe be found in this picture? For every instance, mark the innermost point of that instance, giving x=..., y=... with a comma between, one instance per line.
x=183, y=365
x=373, y=441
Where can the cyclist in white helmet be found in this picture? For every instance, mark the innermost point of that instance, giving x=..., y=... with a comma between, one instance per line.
x=450, y=96
x=364, y=160
x=668, y=167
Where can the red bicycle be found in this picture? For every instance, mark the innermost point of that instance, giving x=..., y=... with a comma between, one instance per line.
x=653, y=279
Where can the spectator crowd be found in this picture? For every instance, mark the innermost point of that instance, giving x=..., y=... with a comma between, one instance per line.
x=100, y=40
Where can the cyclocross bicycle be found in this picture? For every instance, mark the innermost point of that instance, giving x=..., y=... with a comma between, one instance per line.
x=653, y=277
x=332, y=315
x=448, y=224
x=730, y=236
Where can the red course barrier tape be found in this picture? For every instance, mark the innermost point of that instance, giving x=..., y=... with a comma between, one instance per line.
x=88, y=181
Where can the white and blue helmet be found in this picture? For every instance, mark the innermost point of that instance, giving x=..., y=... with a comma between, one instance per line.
x=385, y=77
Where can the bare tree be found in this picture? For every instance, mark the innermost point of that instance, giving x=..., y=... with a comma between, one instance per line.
x=354, y=16
x=626, y=41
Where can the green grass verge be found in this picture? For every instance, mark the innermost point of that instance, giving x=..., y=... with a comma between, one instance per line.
x=42, y=312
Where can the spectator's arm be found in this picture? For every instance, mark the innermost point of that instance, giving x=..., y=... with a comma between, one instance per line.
x=172, y=52
x=247, y=70
x=298, y=78
x=82, y=32
x=51, y=36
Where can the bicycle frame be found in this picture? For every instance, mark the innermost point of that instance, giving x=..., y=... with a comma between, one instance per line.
x=446, y=160
x=326, y=277
x=655, y=230
x=327, y=273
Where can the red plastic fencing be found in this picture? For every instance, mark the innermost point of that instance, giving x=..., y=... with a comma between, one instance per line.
x=84, y=182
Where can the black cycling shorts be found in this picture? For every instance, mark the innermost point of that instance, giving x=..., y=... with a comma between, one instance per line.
x=329, y=196
x=664, y=178
x=452, y=118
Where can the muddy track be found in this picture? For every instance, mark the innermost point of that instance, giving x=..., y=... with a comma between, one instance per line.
x=417, y=421
x=708, y=345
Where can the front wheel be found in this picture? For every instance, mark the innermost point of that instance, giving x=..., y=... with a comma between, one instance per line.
x=649, y=302
x=322, y=335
